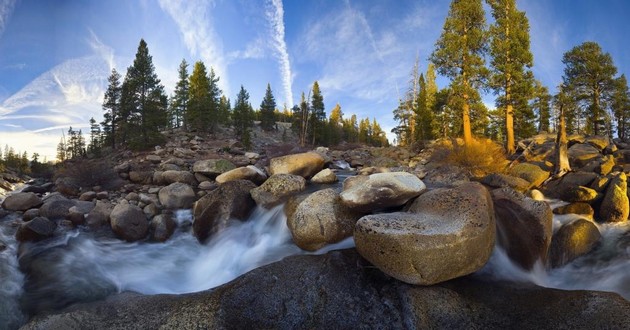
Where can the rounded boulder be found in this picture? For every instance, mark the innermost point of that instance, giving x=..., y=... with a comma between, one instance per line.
x=177, y=196
x=380, y=190
x=305, y=164
x=129, y=222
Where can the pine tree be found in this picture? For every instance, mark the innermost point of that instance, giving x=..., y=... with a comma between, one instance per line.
x=335, y=122
x=179, y=101
x=459, y=54
x=318, y=115
x=95, y=137
x=214, y=96
x=589, y=75
x=112, y=108
x=511, y=77
x=424, y=113
x=225, y=108
x=267, y=108
x=198, y=98
x=61, y=150
x=243, y=116
x=301, y=120
x=621, y=107
x=541, y=106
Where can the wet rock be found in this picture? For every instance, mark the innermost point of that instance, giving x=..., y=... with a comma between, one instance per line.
x=56, y=209
x=21, y=201
x=583, y=209
x=129, y=222
x=325, y=176
x=231, y=200
x=524, y=226
x=580, y=194
x=212, y=167
x=573, y=240
x=447, y=233
x=277, y=189
x=381, y=190
x=162, y=227
x=305, y=164
x=321, y=219
x=35, y=230
x=250, y=172
x=531, y=173
x=614, y=207
x=30, y=214
x=177, y=196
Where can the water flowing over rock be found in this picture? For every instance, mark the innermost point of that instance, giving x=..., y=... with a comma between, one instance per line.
x=380, y=190
x=277, y=189
x=524, y=226
x=340, y=291
x=99, y=215
x=583, y=209
x=231, y=200
x=250, y=172
x=321, y=219
x=162, y=227
x=129, y=222
x=615, y=206
x=573, y=240
x=212, y=167
x=21, y=201
x=177, y=196
x=325, y=176
x=447, y=233
x=305, y=164
x=35, y=230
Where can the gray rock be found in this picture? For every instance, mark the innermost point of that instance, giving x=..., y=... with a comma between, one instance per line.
x=99, y=215
x=212, y=167
x=380, y=190
x=35, y=230
x=305, y=164
x=325, y=176
x=186, y=177
x=56, y=209
x=498, y=180
x=251, y=173
x=277, y=189
x=162, y=227
x=177, y=196
x=129, y=222
x=21, y=201
x=30, y=214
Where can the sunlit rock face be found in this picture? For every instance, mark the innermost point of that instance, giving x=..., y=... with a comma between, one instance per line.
x=614, y=207
x=380, y=190
x=447, y=233
x=305, y=164
x=573, y=240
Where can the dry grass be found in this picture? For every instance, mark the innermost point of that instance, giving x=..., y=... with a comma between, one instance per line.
x=481, y=157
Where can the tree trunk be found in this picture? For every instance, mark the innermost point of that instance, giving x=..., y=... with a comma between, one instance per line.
x=562, y=157
x=509, y=129
x=466, y=122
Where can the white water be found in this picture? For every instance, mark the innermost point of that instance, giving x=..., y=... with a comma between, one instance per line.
x=11, y=279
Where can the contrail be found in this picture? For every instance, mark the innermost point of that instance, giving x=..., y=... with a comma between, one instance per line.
x=275, y=15
x=6, y=9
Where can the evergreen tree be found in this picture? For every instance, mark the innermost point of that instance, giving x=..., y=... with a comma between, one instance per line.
x=318, y=115
x=214, y=96
x=179, y=101
x=351, y=129
x=224, y=110
x=198, y=98
x=512, y=59
x=541, y=106
x=61, y=150
x=424, y=113
x=95, y=137
x=243, y=116
x=459, y=55
x=335, y=122
x=267, y=108
x=621, y=107
x=112, y=108
x=301, y=120
x=589, y=75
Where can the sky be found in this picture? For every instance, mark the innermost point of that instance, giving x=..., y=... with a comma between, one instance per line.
x=55, y=56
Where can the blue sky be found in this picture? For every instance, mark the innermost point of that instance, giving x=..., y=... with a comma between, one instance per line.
x=55, y=55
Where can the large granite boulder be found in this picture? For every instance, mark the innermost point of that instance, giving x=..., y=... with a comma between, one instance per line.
x=498, y=180
x=573, y=240
x=250, y=172
x=277, y=189
x=231, y=200
x=531, y=173
x=321, y=219
x=583, y=209
x=35, y=230
x=614, y=207
x=447, y=233
x=129, y=222
x=162, y=227
x=212, y=167
x=556, y=188
x=580, y=194
x=380, y=190
x=186, y=177
x=340, y=291
x=21, y=201
x=59, y=208
x=524, y=226
x=581, y=154
x=177, y=196
x=325, y=176
x=305, y=164
x=99, y=215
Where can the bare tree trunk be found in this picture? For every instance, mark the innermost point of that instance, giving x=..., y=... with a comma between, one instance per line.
x=466, y=120
x=562, y=165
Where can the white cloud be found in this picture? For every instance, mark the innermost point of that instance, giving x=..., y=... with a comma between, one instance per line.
x=104, y=51
x=6, y=9
x=275, y=15
x=195, y=24
x=253, y=50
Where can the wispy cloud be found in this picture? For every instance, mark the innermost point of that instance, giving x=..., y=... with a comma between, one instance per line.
x=16, y=66
x=275, y=15
x=195, y=23
x=6, y=9
x=104, y=51
x=253, y=50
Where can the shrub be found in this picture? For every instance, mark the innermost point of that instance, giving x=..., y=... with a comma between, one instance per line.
x=88, y=173
x=479, y=158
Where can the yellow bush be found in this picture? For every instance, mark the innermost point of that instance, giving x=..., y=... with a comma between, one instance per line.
x=481, y=157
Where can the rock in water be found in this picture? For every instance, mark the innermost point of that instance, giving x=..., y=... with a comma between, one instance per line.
x=177, y=196
x=277, y=189
x=21, y=201
x=321, y=219
x=524, y=226
x=305, y=164
x=250, y=172
x=447, y=233
x=573, y=240
x=615, y=206
x=162, y=227
x=35, y=230
x=129, y=222
x=380, y=190
x=531, y=173
x=325, y=176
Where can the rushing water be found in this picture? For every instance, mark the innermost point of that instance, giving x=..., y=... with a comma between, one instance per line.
x=11, y=279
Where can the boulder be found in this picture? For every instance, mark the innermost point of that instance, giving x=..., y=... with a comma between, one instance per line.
x=583, y=209
x=21, y=201
x=141, y=177
x=325, y=176
x=580, y=194
x=88, y=196
x=581, y=154
x=212, y=167
x=531, y=173
x=321, y=219
x=35, y=230
x=380, y=190
x=250, y=172
x=186, y=177
x=524, y=226
x=56, y=208
x=207, y=185
x=155, y=159
x=598, y=141
x=129, y=222
x=277, y=189
x=557, y=188
x=305, y=164
x=99, y=215
x=498, y=180
x=162, y=227
x=606, y=165
x=573, y=240
x=67, y=186
x=30, y=214
x=447, y=233
x=614, y=207
x=339, y=290
x=177, y=196
x=212, y=212
x=446, y=176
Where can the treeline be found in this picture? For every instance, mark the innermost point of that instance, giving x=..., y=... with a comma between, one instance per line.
x=136, y=109
x=19, y=162
x=497, y=57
